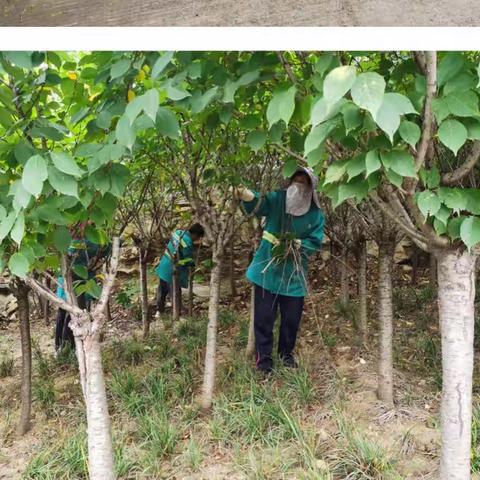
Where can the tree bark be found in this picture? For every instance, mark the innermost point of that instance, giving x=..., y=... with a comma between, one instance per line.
x=100, y=449
x=385, y=322
x=344, y=284
x=191, y=274
x=251, y=330
x=233, y=287
x=362, y=290
x=144, y=292
x=210, y=352
x=21, y=293
x=176, y=293
x=456, y=295
x=433, y=272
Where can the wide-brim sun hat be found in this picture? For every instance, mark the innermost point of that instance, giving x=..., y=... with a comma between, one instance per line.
x=313, y=179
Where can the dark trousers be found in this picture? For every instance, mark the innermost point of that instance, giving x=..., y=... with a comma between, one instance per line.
x=266, y=306
x=165, y=290
x=63, y=333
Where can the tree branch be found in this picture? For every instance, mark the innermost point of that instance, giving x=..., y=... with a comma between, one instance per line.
x=463, y=170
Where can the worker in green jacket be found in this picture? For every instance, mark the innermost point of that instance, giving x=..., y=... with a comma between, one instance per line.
x=293, y=231
x=180, y=250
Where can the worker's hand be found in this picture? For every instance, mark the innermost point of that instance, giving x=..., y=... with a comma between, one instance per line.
x=242, y=193
x=298, y=244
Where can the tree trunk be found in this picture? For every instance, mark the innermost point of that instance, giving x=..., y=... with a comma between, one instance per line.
x=144, y=292
x=26, y=387
x=100, y=449
x=385, y=322
x=210, y=352
x=233, y=287
x=46, y=305
x=456, y=295
x=176, y=293
x=362, y=290
x=251, y=331
x=191, y=274
x=433, y=272
x=344, y=287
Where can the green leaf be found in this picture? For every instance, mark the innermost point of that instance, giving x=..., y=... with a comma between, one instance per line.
x=428, y=203
x=449, y=66
x=352, y=116
x=323, y=63
x=125, y=133
x=338, y=82
x=289, y=168
x=454, y=198
x=66, y=164
x=372, y=162
x=18, y=229
x=21, y=198
x=410, y=133
x=402, y=162
x=161, y=63
x=199, y=102
x=355, y=166
x=167, y=123
x=34, y=174
x=454, y=226
x=440, y=228
x=443, y=215
x=119, y=176
x=62, y=182
x=80, y=271
x=230, y=87
x=388, y=118
x=323, y=110
x=119, y=68
x=357, y=189
x=256, y=140
x=368, y=91
x=175, y=92
x=440, y=109
x=276, y=132
x=335, y=172
x=281, y=106
x=470, y=231
x=452, y=134
x=473, y=128
x=20, y=59
x=394, y=178
x=430, y=178
x=463, y=104
x=62, y=239
x=319, y=134
x=18, y=265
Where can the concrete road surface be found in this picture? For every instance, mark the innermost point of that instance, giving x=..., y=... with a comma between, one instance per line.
x=240, y=13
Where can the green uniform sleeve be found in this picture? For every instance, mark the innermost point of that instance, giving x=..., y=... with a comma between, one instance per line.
x=266, y=204
x=313, y=241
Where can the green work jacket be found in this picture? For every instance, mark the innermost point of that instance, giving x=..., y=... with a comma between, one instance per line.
x=283, y=278
x=182, y=242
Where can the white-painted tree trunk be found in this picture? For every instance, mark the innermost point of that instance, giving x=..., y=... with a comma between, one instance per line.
x=251, y=330
x=456, y=294
x=211, y=347
x=385, y=323
x=100, y=449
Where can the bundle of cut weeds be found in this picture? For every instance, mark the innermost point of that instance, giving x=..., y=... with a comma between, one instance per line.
x=285, y=250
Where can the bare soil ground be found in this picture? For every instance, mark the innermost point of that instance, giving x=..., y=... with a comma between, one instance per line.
x=240, y=13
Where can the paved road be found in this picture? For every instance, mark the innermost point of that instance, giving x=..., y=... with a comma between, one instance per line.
x=240, y=13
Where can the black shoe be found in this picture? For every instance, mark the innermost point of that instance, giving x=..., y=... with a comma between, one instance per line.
x=289, y=361
x=265, y=365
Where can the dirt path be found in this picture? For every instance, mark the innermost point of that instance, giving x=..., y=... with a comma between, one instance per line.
x=240, y=13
